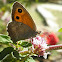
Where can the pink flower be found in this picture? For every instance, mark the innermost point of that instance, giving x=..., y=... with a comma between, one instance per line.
x=39, y=46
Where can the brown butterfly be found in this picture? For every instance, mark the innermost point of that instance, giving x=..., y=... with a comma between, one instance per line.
x=22, y=25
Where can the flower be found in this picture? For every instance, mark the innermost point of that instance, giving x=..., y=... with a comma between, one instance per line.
x=51, y=38
x=39, y=46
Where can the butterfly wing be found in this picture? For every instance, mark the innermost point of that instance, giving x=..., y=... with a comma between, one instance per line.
x=19, y=31
x=20, y=14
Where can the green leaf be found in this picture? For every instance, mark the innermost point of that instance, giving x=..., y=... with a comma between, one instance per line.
x=25, y=44
x=30, y=59
x=5, y=39
x=16, y=54
x=6, y=51
x=60, y=30
x=10, y=58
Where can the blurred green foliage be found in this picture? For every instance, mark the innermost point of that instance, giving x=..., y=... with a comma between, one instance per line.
x=2, y=27
x=60, y=30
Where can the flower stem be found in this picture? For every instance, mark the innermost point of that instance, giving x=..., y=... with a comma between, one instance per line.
x=54, y=47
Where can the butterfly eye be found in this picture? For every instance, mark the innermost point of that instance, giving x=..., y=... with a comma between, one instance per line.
x=17, y=17
x=20, y=10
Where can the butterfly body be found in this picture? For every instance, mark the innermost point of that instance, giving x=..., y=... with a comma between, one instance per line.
x=22, y=25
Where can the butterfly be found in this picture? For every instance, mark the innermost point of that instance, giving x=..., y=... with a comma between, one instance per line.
x=22, y=25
